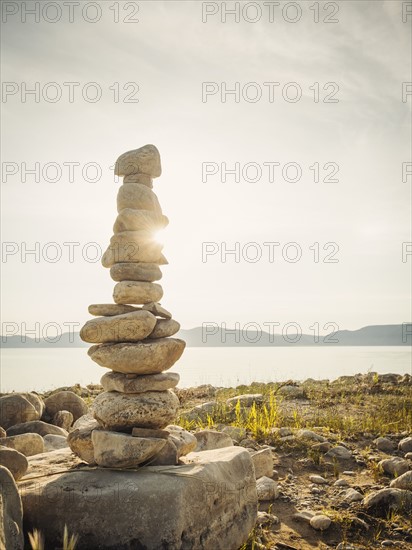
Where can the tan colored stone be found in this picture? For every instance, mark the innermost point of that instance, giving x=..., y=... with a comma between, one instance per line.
x=65, y=400
x=11, y=513
x=145, y=160
x=132, y=246
x=157, y=310
x=139, y=220
x=129, y=327
x=14, y=461
x=139, y=178
x=117, y=450
x=137, y=292
x=63, y=419
x=135, y=272
x=15, y=409
x=80, y=441
x=137, y=197
x=117, y=381
x=120, y=411
x=27, y=444
x=108, y=310
x=184, y=441
x=147, y=357
x=36, y=427
x=165, y=328
x=147, y=432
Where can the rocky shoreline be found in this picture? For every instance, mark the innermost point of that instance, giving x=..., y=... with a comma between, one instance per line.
x=332, y=460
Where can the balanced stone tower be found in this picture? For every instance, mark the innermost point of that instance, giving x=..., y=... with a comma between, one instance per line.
x=133, y=335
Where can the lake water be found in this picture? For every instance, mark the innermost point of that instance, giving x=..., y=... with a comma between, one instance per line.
x=45, y=369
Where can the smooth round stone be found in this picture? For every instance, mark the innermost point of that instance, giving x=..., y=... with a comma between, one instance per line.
x=117, y=381
x=137, y=197
x=117, y=450
x=137, y=292
x=145, y=160
x=108, y=310
x=139, y=178
x=132, y=246
x=165, y=328
x=139, y=220
x=135, y=272
x=121, y=411
x=130, y=327
x=148, y=357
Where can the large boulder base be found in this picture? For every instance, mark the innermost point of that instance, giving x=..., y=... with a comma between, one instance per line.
x=209, y=502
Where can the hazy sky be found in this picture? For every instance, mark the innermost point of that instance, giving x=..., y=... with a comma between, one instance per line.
x=163, y=60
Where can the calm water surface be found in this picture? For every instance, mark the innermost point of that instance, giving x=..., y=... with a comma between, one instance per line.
x=45, y=369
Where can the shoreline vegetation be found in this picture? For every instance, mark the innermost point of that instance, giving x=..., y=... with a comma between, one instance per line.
x=365, y=415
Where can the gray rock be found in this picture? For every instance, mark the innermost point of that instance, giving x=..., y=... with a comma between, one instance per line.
x=291, y=392
x=118, y=411
x=27, y=444
x=165, y=328
x=168, y=455
x=36, y=401
x=14, y=461
x=184, y=441
x=15, y=409
x=11, y=513
x=320, y=522
x=395, y=466
x=209, y=503
x=263, y=463
x=381, y=502
x=3, y=432
x=267, y=489
x=341, y=483
x=267, y=520
x=65, y=401
x=245, y=400
x=148, y=357
x=37, y=427
x=135, y=272
x=310, y=435
x=235, y=432
x=145, y=160
x=303, y=517
x=208, y=440
x=201, y=412
x=405, y=444
x=117, y=381
x=384, y=444
x=319, y=480
x=63, y=419
x=352, y=495
x=339, y=452
x=117, y=450
x=54, y=442
x=129, y=327
x=404, y=481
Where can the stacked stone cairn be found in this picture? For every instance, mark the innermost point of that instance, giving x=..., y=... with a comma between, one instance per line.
x=133, y=336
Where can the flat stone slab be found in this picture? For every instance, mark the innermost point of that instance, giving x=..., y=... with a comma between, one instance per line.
x=208, y=503
x=117, y=381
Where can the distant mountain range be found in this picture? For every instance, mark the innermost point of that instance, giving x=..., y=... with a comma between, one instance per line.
x=376, y=335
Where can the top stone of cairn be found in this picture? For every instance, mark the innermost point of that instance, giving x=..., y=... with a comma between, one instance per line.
x=145, y=160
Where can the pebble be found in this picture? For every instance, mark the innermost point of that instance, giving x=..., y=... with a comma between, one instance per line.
x=320, y=522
